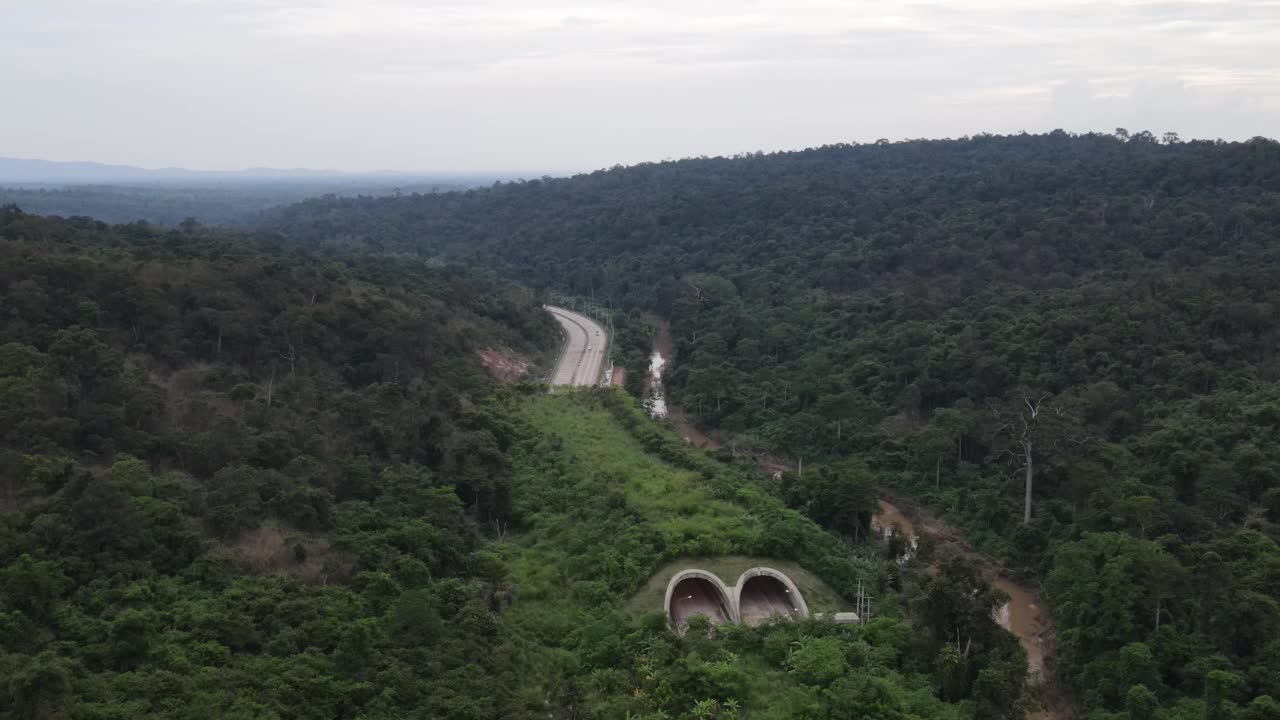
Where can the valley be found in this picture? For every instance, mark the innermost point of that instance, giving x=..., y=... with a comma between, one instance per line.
x=323, y=466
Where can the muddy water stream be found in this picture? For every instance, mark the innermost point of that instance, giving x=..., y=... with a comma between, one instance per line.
x=1021, y=616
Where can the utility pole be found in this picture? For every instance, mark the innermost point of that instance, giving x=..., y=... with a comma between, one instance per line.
x=862, y=605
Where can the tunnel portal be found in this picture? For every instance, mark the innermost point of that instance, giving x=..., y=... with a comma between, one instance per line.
x=761, y=593
x=695, y=594
x=765, y=596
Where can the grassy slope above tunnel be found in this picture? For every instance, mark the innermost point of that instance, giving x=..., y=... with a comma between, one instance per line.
x=604, y=497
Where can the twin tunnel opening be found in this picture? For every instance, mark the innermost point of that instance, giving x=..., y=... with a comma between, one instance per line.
x=760, y=594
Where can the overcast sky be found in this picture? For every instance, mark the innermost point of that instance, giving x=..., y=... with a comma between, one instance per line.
x=527, y=85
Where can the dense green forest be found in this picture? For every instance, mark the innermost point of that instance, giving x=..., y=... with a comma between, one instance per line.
x=245, y=479
x=240, y=480
x=1066, y=344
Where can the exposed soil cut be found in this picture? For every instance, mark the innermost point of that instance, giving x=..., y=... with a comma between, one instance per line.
x=503, y=366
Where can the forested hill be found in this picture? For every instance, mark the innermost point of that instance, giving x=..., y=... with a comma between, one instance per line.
x=219, y=460
x=841, y=217
x=1101, y=308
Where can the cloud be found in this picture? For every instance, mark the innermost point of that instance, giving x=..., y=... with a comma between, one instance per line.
x=553, y=86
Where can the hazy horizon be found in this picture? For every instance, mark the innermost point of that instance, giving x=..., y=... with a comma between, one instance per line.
x=167, y=173
x=532, y=87
x=324, y=173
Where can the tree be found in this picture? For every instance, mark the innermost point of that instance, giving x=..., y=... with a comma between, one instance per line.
x=839, y=408
x=864, y=697
x=129, y=638
x=818, y=661
x=22, y=370
x=132, y=476
x=1220, y=689
x=972, y=657
x=414, y=619
x=33, y=586
x=1034, y=429
x=929, y=447
x=1263, y=707
x=39, y=687
x=841, y=496
x=1135, y=504
x=998, y=689
x=1111, y=589
x=1140, y=703
x=956, y=606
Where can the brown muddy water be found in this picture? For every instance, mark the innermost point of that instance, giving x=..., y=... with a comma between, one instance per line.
x=1021, y=616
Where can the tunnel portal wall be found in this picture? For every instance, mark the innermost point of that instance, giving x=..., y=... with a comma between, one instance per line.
x=781, y=577
x=733, y=595
x=726, y=593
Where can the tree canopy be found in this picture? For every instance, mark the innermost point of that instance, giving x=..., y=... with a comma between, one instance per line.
x=896, y=302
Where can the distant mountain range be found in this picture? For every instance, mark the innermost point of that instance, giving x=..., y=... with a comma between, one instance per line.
x=18, y=171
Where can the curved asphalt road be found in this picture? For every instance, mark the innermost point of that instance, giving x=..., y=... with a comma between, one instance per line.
x=582, y=362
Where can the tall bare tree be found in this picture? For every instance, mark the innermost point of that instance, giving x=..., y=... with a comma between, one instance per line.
x=1035, y=429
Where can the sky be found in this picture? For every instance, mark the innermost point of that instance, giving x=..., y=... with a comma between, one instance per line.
x=557, y=87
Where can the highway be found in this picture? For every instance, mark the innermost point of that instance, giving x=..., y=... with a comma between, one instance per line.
x=582, y=362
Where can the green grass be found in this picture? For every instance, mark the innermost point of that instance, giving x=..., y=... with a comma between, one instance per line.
x=670, y=499
x=696, y=529
x=817, y=595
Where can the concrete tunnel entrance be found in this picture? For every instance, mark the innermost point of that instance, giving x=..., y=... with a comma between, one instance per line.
x=694, y=594
x=764, y=593
x=760, y=594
